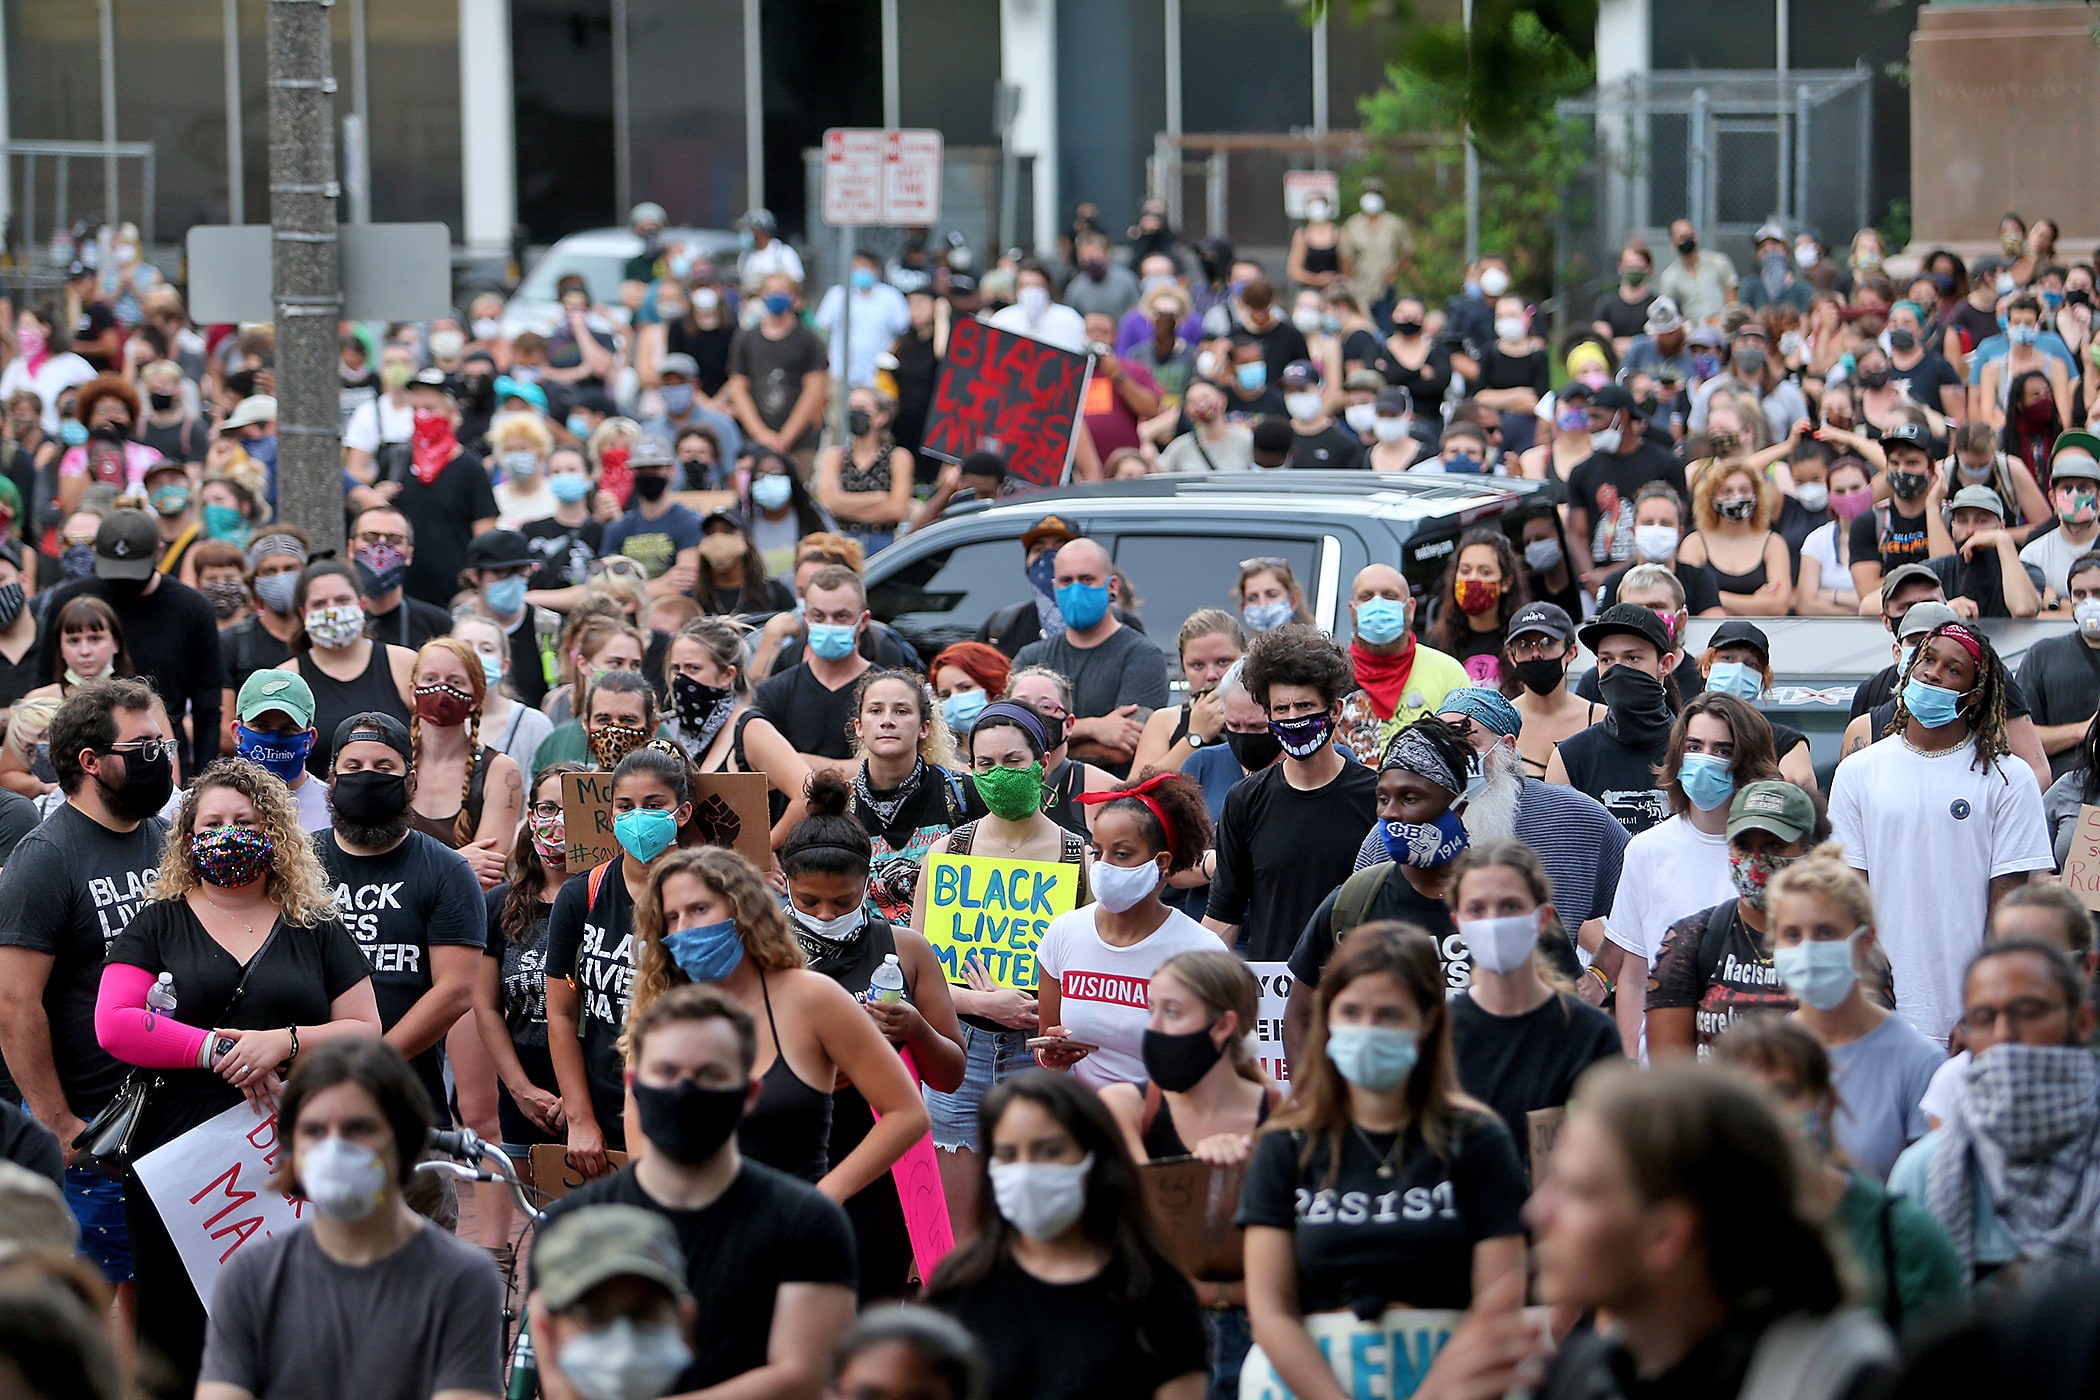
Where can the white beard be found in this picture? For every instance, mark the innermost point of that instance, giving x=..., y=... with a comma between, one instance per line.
x=1491, y=815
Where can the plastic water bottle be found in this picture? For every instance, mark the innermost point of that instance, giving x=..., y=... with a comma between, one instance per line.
x=524, y=1368
x=888, y=982
x=161, y=995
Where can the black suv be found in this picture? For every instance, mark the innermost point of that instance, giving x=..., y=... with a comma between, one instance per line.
x=1180, y=541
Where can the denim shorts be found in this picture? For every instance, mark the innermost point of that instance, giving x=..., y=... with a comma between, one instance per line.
x=990, y=1057
x=97, y=1202
x=1231, y=1338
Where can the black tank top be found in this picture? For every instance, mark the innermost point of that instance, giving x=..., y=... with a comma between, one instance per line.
x=789, y=1128
x=1318, y=259
x=444, y=829
x=1738, y=583
x=1066, y=782
x=335, y=701
x=1162, y=1139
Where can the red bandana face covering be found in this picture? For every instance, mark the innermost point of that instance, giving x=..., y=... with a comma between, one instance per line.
x=432, y=445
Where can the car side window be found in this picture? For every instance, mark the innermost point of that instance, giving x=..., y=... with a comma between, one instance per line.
x=944, y=597
x=1172, y=576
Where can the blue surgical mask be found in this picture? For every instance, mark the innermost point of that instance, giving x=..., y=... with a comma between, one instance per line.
x=779, y=304
x=707, y=953
x=1818, y=973
x=831, y=641
x=280, y=754
x=1464, y=464
x=506, y=596
x=578, y=425
x=1933, y=706
x=520, y=463
x=1266, y=617
x=1083, y=605
x=1252, y=377
x=771, y=491
x=677, y=397
x=1706, y=780
x=569, y=487
x=962, y=708
x=862, y=279
x=1377, y=1058
x=72, y=432
x=1737, y=678
x=1381, y=620
x=491, y=669
x=1424, y=845
x=2023, y=333
x=645, y=832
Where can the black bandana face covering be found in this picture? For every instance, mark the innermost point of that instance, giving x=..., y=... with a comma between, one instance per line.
x=1638, y=710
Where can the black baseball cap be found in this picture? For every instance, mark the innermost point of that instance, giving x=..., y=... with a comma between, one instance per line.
x=1736, y=632
x=499, y=549
x=1628, y=619
x=1549, y=618
x=373, y=727
x=1616, y=398
x=127, y=545
x=1910, y=435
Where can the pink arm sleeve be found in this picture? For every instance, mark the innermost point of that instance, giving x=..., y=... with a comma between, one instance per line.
x=136, y=1035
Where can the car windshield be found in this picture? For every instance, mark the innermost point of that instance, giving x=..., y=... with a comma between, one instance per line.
x=600, y=271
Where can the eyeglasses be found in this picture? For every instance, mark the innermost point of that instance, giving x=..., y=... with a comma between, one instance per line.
x=151, y=750
x=398, y=541
x=546, y=811
x=626, y=568
x=2018, y=1015
x=1534, y=647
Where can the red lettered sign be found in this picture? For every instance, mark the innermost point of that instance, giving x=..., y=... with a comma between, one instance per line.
x=1004, y=392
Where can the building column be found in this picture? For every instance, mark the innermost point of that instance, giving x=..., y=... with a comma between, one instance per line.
x=1624, y=33
x=7, y=184
x=487, y=142
x=1028, y=60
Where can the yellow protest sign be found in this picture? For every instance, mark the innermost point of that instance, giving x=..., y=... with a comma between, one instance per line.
x=996, y=910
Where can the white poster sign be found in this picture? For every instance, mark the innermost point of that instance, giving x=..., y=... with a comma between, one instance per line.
x=1275, y=980
x=211, y=1186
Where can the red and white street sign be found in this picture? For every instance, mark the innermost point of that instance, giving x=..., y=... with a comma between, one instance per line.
x=878, y=177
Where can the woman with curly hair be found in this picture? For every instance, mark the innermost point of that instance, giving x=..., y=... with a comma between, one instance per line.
x=1480, y=592
x=1734, y=505
x=242, y=924
x=108, y=407
x=707, y=915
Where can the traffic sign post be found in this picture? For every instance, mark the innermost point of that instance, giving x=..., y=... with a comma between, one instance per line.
x=874, y=176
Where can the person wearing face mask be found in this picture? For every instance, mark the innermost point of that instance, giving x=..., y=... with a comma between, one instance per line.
x=1376, y=247
x=44, y=364
x=1250, y=392
x=1738, y=661
x=1118, y=674
x=2058, y=673
x=392, y=1301
x=1985, y=574
x=1538, y=651
x=167, y=487
x=382, y=551
x=1975, y=460
x=1481, y=590
x=1917, y=369
x=2023, y=353
x=1614, y=760
x=771, y=1259
x=1823, y=585
x=382, y=426
x=659, y=533
x=1375, y=1113
x=1317, y=441
x=243, y=922
x=1394, y=447
x=1060, y=1278
x=1777, y=282
x=1515, y=373
x=1519, y=1042
x=519, y=443
x=1734, y=505
x=1214, y=442
x=264, y=639
x=778, y=373
x=18, y=629
x=1315, y=258
x=1414, y=360
x=811, y=701
x=1602, y=490
x=349, y=673
x=1940, y=794
x=445, y=495
x=1701, y=281
x=1909, y=528
x=867, y=483
x=68, y=888
x=1038, y=314
x=1469, y=317
x=610, y=1317
x=274, y=729
x=499, y=565
x=1622, y=313
x=1101, y=284
x=2074, y=497
x=731, y=577
x=1397, y=678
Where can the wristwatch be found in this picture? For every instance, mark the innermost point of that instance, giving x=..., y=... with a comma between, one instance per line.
x=1195, y=740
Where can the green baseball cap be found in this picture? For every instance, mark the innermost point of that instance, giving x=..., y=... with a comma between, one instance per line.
x=1774, y=806
x=275, y=690
x=586, y=1247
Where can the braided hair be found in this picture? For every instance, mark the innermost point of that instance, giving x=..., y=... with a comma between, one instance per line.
x=477, y=684
x=1985, y=714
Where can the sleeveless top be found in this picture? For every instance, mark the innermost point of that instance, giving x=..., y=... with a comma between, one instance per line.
x=789, y=1128
x=335, y=701
x=1072, y=851
x=1065, y=783
x=1318, y=259
x=1162, y=1140
x=1738, y=583
x=441, y=829
x=855, y=479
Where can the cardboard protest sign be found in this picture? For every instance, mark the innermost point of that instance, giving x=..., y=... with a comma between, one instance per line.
x=2082, y=865
x=1005, y=392
x=1381, y=1360
x=1193, y=1204
x=1274, y=979
x=1542, y=1129
x=211, y=1187
x=586, y=814
x=995, y=910
x=553, y=1177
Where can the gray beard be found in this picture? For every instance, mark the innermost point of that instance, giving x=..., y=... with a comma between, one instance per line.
x=1491, y=815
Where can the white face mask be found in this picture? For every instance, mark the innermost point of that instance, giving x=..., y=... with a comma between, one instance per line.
x=1121, y=887
x=1033, y=301
x=345, y=1182
x=706, y=300
x=1605, y=440
x=1207, y=365
x=624, y=1361
x=2087, y=614
x=834, y=930
x=1501, y=945
x=1306, y=319
x=1390, y=429
x=1372, y=204
x=1805, y=255
x=1302, y=406
x=1655, y=543
x=1360, y=416
x=1511, y=327
x=1041, y=1199
x=1494, y=281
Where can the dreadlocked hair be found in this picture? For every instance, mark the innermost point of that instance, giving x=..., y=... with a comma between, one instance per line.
x=477, y=683
x=1985, y=714
x=526, y=869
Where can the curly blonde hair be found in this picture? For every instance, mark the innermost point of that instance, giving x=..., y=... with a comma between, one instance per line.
x=295, y=880
x=760, y=924
x=1718, y=474
x=478, y=686
x=938, y=745
x=521, y=428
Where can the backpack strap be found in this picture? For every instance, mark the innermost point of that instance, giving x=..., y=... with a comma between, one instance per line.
x=1714, y=941
x=962, y=838
x=1153, y=1099
x=1891, y=1295
x=1353, y=901
x=594, y=882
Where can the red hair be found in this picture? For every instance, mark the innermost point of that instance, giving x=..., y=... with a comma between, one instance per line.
x=986, y=665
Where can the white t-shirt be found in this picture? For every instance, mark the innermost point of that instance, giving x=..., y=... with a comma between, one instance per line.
x=1931, y=833
x=1670, y=870
x=1949, y=1082
x=1106, y=992
x=53, y=377
x=1821, y=546
x=514, y=510
x=312, y=797
x=1061, y=325
x=755, y=265
x=377, y=422
x=2052, y=554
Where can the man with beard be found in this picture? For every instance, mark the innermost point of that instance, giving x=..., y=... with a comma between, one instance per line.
x=1614, y=759
x=1575, y=838
x=411, y=903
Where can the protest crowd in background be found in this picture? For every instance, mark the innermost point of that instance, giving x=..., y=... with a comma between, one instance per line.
x=1483, y=996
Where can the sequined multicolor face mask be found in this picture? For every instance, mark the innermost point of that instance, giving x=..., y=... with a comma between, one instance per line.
x=229, y=856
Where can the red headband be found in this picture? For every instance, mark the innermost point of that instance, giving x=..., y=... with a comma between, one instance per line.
x=1142, y=792
x=1963, y=638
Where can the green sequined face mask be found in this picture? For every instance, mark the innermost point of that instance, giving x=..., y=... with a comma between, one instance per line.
x=1014, y=794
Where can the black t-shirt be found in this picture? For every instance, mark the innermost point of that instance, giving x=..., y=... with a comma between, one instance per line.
x=1396, y=899
x=95, y=319
x=18, y=678
x=565, y=552
x=1626, y=318
x=2064, y=674
x=1619, y=776
x=766, y=1230
x=1281, y=343
x=1980, y=579
x=173, y=637
x=1074, y=1341
x=29, y=1144
x=1722, y=977
x=521, y=985
x=442, y=515
x=1504, y=371
x=1904, y=541
x=1281, y=851
x=814, y=719
x=398, y=906
x=1976, y=324
x=1702, y=594
x=69, y=890
x=709, y=349
x=410, y=623
x=775, y=370
x=591, y=943
x=246, y=648
x=1795, y=524
x=18, y=817
x=1515, y=1064
x=1333, y=448
x=1604, y=487
x=1425, y=384
x=1403, y=1240
x=294, y=981
x=1924, y=380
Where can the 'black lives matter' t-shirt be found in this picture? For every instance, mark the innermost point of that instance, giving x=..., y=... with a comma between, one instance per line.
x=812, y=717
x=1052, y=1341
x=766, y=1230
x=1515, y=1064
x=1620, y=777
x=591, y=942
x=69, y=890
x=1396, y=899
x=1404, y=1240
x=419, y=896
x=1281, y=851
x=1722, y=979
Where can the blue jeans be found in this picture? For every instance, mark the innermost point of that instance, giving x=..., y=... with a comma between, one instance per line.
x=97, y=1202
x=1231, y=1338
x=990, y=1056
